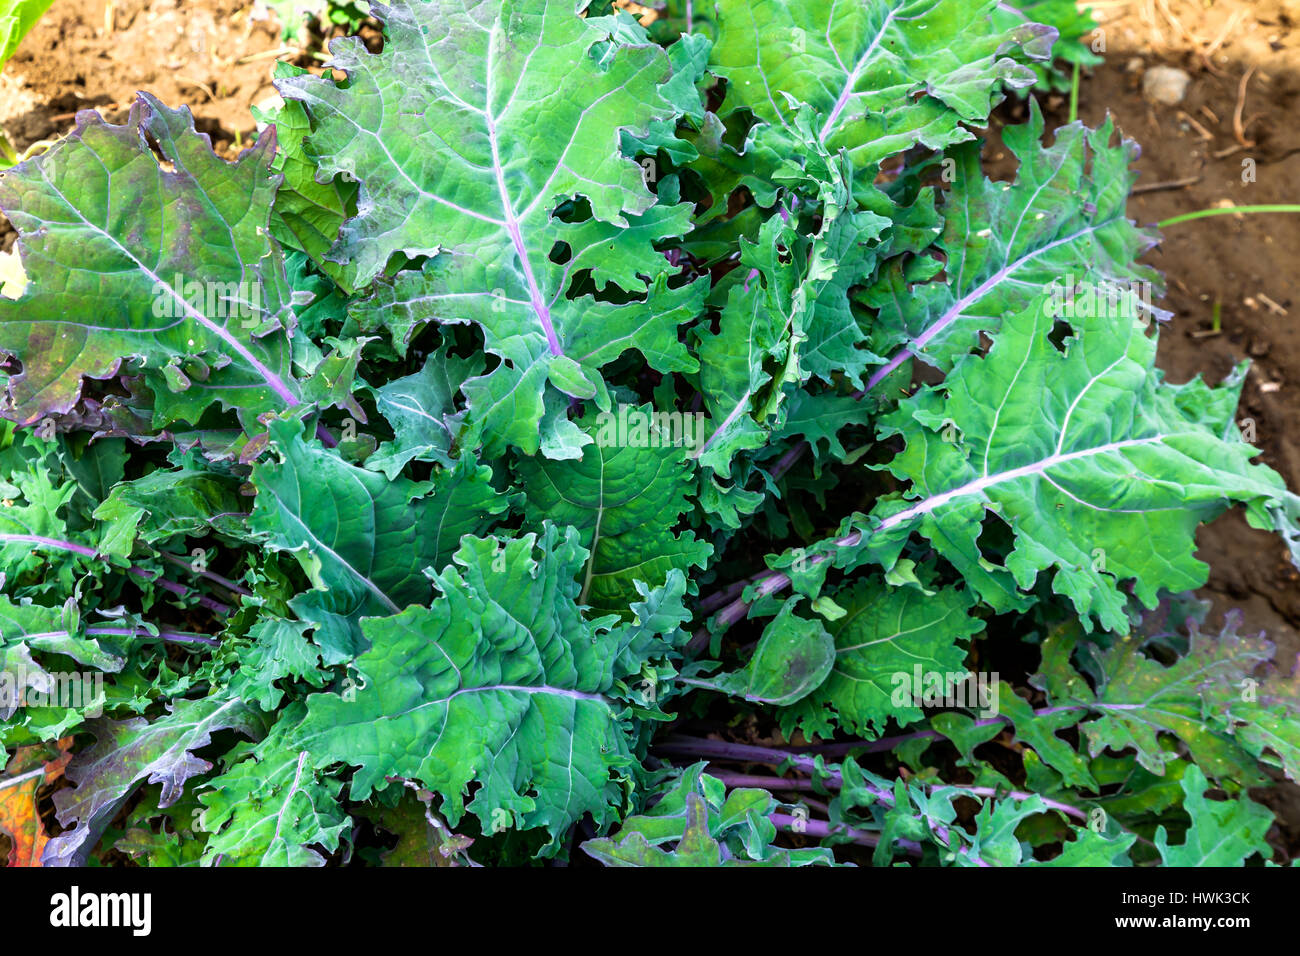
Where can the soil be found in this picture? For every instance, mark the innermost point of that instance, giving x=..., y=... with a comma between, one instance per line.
x=181, y=52
x=1243, y=266
x=1246, y=265
x=1235, y=134
x=214, y=56
x=217, y=56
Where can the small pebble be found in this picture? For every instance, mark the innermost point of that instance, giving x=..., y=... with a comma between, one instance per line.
x=1166, y=85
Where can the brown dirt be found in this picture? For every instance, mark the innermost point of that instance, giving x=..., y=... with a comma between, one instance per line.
x=215, y=56
x=180, y=52
x=1242, y=263
x=1246, y=264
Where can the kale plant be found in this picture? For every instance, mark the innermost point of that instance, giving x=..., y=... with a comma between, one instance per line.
x=562, y=439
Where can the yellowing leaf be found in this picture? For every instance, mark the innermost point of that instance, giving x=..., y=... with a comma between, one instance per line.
x=19, y=819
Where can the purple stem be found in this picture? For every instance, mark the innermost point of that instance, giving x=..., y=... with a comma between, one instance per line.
x=326, y=439
x=762, y=781
x=274, y=381
x=745, y=753
x=700, y=640
x=719, y=598
x=685, y=745
x=726, y=423
x=950, y=315
x=821, y=829
x=58, y=544
x=787, y=461
x=994, y=793
x=184, y=637
x=886, y=744
x=887, y=369
x=780, y=783
x=226, y=583
x=181, y=590
x=739, y=608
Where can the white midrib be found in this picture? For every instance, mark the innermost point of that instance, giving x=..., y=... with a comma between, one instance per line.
x=980, y=485
x=743, y=404
x=368, y=584
x=1065, y=424
x=417, y=410
x=953, y=312
x=853, y=78
x=595, y=539
x=529, y=689
x=288, y=798
x=508, y=209
x=274, y=381
x=895, y=636
x=779, y=582
x=736, y=412
x=15, y=781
